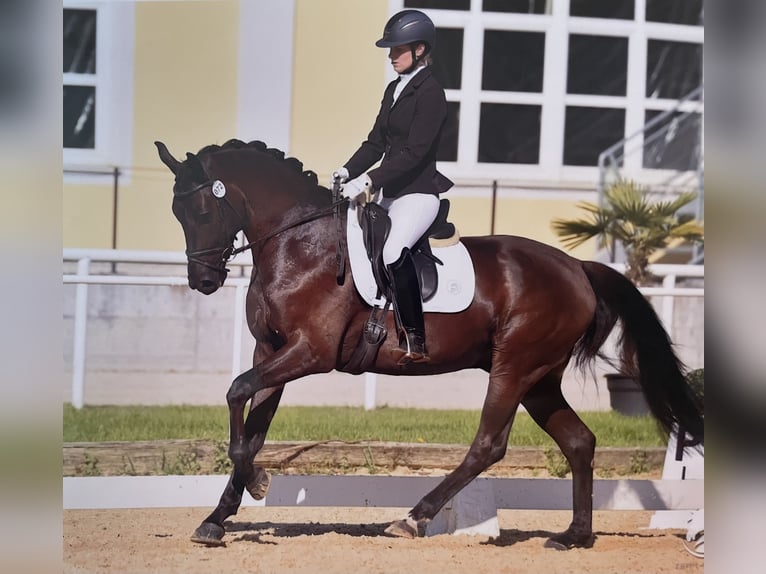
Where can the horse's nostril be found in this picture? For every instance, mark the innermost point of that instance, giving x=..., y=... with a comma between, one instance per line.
x=207, y=285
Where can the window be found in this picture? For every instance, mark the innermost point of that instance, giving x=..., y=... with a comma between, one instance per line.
x=589, y=131
x=80, y=79
x=97, y=83
x=448, y=145
x=439, y=4
x=509, y=133
x=673, y=143
x=673, y=69
x=517, y=6
x=618, y=9
x=538, y=89
x=513, y=61
x=688, y=12
x=597, y=65
x=448, y=57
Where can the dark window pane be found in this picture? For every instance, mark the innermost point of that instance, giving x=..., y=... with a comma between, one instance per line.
x=448, y=57
x=439, y=4
x=80, y=41
x=673, y=69
x=674, y=143
x=517, y=6
x=589, y=131
x=513, y=61
x=687, y=12
x=509, y=133
x=448, y=144
x=598, y=65
x=79, y=116
x=620, y=9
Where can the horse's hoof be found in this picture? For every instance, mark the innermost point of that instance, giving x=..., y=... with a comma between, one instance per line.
x=258, y=486
x=406, y=528
x=209, y=534
x=568, y=540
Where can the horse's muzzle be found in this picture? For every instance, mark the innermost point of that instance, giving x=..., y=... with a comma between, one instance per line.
x=206, y=286
x=206, y=281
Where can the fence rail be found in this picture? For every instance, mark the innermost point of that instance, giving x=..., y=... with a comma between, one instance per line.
x=83, y=277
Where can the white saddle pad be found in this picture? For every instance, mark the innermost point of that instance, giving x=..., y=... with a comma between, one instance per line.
x=456, y=277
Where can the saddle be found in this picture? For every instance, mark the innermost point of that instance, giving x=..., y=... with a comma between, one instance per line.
x=376, y=225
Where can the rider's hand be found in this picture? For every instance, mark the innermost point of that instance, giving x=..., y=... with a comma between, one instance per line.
x=339, y=174
x=353, y=188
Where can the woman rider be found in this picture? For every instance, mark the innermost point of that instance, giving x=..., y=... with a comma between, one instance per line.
x=406, y=134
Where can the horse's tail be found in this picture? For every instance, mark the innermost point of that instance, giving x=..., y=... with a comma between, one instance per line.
x=646, y=351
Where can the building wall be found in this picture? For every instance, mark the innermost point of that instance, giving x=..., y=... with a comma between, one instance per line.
x=204, y=72
x=339, y=77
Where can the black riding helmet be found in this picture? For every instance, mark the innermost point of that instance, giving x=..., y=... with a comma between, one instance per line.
x=410, y=27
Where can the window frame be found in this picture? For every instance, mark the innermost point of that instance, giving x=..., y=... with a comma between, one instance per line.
x=113, y=82
x=557, y=27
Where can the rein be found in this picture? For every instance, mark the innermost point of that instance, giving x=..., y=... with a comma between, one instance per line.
x=330, y=209
x=228, y=253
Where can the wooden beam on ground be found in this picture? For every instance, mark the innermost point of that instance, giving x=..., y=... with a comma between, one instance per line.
x=208, y=457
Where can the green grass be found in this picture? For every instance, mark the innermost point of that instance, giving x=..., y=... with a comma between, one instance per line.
x=134, y=423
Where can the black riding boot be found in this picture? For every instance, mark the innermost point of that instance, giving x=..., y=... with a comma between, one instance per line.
x=409, y=309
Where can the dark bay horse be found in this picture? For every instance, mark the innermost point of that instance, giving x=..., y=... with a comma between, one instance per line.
x=534, y=309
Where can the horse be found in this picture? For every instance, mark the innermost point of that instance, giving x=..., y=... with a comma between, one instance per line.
x=534, y=309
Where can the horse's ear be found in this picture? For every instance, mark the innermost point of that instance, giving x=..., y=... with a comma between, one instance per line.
x=167, y=158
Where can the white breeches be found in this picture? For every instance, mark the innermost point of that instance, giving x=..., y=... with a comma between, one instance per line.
x=411, y=215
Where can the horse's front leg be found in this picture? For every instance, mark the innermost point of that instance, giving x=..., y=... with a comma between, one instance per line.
x=294, y=359
x=262, y=409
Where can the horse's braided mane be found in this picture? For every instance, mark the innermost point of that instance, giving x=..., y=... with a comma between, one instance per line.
x=293, y=163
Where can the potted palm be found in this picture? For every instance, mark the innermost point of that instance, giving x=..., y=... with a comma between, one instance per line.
x=628, y=218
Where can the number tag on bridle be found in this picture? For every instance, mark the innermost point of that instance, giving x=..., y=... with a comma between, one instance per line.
x=219, y=189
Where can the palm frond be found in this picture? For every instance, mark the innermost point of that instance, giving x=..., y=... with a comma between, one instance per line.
x=629, y=215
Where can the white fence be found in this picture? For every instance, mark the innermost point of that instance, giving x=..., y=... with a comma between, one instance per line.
x=83, y=277
x=375, y=491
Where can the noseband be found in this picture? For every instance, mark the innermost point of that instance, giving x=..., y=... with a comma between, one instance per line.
x=224, y=253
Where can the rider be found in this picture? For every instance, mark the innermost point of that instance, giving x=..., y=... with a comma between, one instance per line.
x=406, y=133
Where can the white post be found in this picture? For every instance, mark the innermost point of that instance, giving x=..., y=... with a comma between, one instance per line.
x=80, y=336
x=370, y=383
x=239, y=307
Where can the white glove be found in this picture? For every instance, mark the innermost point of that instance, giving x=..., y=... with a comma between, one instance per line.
x=353, y=188
x=341, y=173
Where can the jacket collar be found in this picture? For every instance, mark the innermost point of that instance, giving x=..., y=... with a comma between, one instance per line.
x=422, y=75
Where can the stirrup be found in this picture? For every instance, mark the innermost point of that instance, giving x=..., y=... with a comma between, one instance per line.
x=411, y=351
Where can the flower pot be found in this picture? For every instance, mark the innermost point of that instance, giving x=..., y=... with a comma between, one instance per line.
x=625, y=395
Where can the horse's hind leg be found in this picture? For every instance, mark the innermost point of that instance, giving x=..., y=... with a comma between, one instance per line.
x=547, y=406
x=478, y=459
x=489, y=446
x=262, y=409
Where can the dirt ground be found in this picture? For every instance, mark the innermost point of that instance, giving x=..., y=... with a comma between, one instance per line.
x=339, y=540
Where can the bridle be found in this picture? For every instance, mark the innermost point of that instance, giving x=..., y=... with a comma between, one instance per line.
x=224, y=253
x=228, y=252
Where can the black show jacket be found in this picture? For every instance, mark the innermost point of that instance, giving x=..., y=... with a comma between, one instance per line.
x=407, y=136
